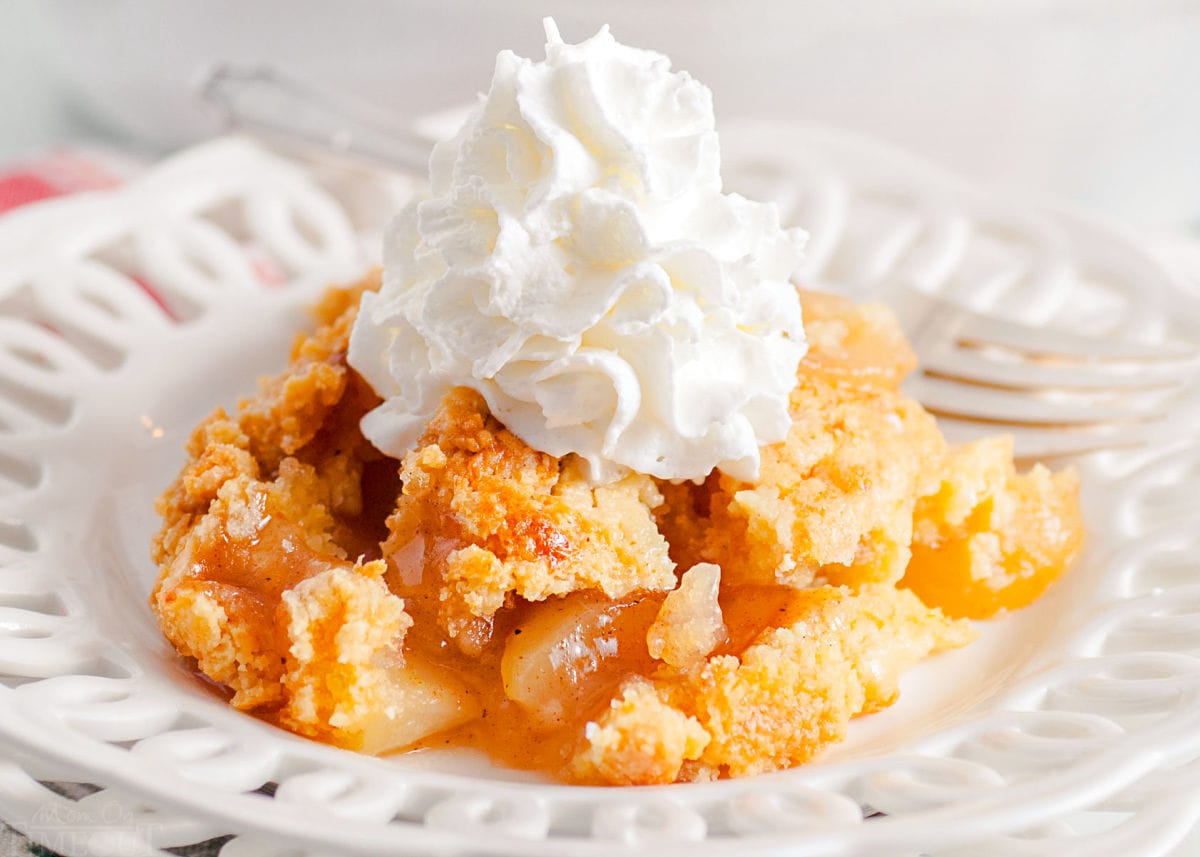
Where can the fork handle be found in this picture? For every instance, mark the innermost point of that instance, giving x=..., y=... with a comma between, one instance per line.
x=264, y=101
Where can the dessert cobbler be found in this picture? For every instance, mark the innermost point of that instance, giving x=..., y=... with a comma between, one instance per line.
x=482, y=593
x=582, y=479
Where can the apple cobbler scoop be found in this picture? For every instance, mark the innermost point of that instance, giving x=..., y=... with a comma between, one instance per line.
x=265, y=578
x=481, y=593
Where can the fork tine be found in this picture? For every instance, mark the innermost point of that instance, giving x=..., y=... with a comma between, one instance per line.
x=1001, y=407
x=1039, y=444
x=980, y=330
x=969, y=366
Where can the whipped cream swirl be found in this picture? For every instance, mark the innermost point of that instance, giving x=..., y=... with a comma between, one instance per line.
x=577, y=263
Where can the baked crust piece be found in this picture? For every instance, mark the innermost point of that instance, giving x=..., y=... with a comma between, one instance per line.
x=834, y=502
x=990, y=538
x=835, y=654
x=484, y=519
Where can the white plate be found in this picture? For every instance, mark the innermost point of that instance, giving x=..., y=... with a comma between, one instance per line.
x=1055, y=708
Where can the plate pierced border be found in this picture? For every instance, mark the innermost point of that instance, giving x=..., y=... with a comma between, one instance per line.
x=212, y=229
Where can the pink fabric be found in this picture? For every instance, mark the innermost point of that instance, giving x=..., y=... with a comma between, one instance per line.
x=57, y=173
x=66, y=171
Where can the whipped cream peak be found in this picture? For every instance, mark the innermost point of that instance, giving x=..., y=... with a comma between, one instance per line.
x=576, y=262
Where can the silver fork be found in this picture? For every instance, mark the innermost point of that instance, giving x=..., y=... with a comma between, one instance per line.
x=1056, y=392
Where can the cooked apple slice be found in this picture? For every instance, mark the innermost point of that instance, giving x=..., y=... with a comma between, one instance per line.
x=570, y=653
x=424, y=700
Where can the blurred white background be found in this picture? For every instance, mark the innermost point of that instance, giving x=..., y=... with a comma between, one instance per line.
x=1094, y=100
